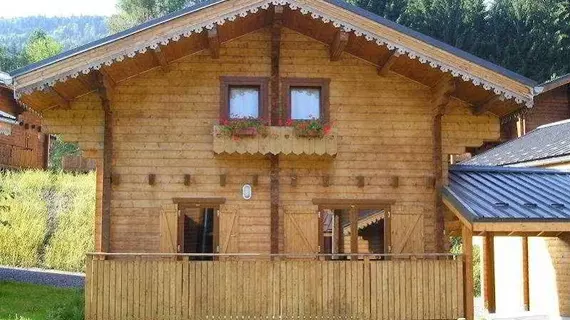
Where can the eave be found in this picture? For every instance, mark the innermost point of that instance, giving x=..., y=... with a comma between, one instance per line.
x=371, y=38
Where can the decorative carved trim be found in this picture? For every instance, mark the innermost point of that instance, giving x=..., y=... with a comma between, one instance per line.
x=304, y=8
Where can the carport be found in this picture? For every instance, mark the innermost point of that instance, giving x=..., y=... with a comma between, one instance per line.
x=504, y=201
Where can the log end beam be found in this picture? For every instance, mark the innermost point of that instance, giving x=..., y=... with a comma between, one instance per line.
x=214, y=42
x=338, y=45
x=384, y=67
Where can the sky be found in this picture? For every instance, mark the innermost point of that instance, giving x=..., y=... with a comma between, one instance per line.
x=50, y=8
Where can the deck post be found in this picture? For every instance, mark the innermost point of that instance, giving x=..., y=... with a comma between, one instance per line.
x=467, y=235
x=526, y=287
x=489, y=273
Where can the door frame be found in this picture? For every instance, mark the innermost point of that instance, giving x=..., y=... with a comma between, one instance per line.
x=353, y=205
x=198, y=203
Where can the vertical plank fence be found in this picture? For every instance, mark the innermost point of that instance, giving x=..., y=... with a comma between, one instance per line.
x=265, y=289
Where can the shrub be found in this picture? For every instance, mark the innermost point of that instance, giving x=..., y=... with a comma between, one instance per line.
x=47, y=219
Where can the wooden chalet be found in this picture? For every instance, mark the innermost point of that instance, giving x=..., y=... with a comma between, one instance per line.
x=23, y=145
x=193, y=223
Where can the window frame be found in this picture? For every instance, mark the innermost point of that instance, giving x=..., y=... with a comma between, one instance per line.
x=227, y=81
x=322, y=83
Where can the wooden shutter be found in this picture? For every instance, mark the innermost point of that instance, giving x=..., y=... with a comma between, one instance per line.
x=169, y=231
x=407, y=233
x=301, y=231
x=228, y=230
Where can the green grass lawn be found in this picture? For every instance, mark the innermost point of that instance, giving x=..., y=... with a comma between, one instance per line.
x=23, y=301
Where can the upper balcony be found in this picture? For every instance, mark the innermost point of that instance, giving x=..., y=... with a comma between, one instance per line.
x=274, y=140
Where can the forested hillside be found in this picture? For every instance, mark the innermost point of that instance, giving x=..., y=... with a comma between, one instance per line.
x=69, y=31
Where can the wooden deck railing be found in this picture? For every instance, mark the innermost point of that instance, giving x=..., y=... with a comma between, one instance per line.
x=148, y=287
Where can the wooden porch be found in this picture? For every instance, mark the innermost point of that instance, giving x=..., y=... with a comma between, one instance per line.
x=172, y=286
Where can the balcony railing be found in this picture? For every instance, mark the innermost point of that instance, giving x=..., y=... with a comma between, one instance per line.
x=276, y=140
x=257, y=286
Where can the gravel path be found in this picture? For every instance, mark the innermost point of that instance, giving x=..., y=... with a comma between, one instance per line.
x=41, y=276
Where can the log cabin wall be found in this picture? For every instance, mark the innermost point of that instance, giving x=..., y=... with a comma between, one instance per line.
x=163, y=126
x=25, y=146
x=551, y=106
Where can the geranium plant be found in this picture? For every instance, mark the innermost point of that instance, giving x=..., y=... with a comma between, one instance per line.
x=241, y=127
x=310, y=128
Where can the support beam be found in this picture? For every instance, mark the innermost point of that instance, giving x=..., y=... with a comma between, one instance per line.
x=489, y=273
x=214, y=42
x=353, y=229
x=526, y=284
x=161, y=59
x=104, y=89
x=467, y=237
x=62, y=101
x=485, y=106
x=274, y=177
x=384, y=67
x=441, y=95
x=338, y=45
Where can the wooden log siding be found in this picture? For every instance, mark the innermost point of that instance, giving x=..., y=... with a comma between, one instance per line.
x=163, y=124
x=261, y=289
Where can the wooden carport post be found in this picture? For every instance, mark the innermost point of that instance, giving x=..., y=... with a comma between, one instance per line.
x=467, y=237
x=489, y=273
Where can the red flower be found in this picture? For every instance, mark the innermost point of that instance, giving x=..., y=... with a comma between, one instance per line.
x=327, y=129
x=289, y=123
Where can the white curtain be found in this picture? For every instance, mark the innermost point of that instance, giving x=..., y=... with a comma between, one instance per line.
x=305, y=103
x=244, y=102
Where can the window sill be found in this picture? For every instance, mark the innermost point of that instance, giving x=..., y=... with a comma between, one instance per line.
x=276, y=140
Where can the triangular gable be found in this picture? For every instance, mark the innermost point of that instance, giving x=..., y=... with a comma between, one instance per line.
x=173, y=27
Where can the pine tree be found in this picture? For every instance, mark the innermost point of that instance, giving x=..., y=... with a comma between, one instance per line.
x=522, y=37
x=390, y=9
x=460, y=23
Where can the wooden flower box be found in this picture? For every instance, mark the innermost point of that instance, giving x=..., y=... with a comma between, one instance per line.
x=276, y=140
x=246, y=132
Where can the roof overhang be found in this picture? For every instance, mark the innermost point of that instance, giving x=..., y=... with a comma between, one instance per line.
x=361, y=24
x=552, y=84
x=509, y=201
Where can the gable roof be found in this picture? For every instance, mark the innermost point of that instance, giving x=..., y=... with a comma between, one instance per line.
x=553, y=84
x=502, y=194
x=546, y=142
x=428, y=52
x=364, y=13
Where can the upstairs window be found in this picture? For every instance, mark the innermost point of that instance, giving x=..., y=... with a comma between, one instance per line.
x=305, y=103
x=243, y=97
x=244, y=101
x=306, y=98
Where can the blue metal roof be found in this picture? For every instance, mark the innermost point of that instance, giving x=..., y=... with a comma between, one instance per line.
x=549, y=141
x=339, y=3
x=492, y=194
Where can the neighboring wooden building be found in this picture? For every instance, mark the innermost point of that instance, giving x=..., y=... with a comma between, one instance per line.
x=551, y=104
x=154, y=105
x=23, y=145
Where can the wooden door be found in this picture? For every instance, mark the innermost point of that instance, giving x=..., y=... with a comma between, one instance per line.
x=301, y=231
x=227, y=239
x=407, y=233
x=169, y=231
